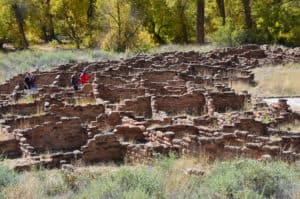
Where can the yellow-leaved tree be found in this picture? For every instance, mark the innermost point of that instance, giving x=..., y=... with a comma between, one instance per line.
x=123, y=29
x=71, y=19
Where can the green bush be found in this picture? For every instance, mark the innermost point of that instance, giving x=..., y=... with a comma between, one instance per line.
x=240, y=178
x=54, y=184
x=165, y=162
x=231, y=35
x=7, y=176
x=249, y=179
x=126, y=183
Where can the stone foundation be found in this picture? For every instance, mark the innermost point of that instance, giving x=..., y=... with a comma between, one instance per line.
x=137, y=109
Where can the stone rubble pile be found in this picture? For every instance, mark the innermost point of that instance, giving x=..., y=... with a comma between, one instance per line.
x=135, y=109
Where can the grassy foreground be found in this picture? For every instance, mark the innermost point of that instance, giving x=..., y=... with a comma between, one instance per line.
x=165, y=179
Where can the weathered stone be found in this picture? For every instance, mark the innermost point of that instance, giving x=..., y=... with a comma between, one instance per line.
x=137, y=108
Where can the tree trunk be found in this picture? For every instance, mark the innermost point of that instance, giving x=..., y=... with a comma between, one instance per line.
x=77, y=43
x=90, y=17
x=2, y=42
x=45, y=36
x=200, y=21
x=156, y=34
x=182, y=34
x=247, y=12
x=159, y=39
x=49, y=17
x=221, y=7
x=120, y=46
x=19, y=21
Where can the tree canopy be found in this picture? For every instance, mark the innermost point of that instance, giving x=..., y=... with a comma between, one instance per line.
x=121, y=25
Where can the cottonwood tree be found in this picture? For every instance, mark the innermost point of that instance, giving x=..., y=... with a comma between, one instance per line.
x=50, y=31
x=183, y=25
x=200, y=21
x=91, y=20
x=18, y=8
x=247, y=13
x=5, y=25
x=41, y=20
x=156, y=17
x=221, y=8
x=71, y=18
x=122, y=25
x=129, y=24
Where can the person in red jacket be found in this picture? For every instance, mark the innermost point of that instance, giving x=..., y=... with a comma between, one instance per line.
x=84, y=77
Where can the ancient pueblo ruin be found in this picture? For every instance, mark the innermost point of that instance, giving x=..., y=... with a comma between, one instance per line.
x=132, y=110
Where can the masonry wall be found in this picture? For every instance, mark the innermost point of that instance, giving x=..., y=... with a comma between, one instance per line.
x=64, y=135
x=191, y=104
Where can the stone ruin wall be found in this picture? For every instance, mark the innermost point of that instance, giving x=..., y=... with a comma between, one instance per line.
x=135, y=109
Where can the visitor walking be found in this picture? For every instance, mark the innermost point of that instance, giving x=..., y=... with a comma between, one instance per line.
x=27, y=84
x=75, y=81
x=32, y=82
x=84, y=77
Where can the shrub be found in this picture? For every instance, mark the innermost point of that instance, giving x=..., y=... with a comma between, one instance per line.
x=126, y=183
x=166, y=162
x=249, y=179
x=7, y=176
x=231, y=35
x=240, y=178
x=52, y=183
x=136, y=194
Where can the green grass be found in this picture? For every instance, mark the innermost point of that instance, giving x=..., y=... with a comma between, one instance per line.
x=22, y=61
x=164, y=179
x=7, y=178
x=247, y=178
x=26, y=100
x=183, y=48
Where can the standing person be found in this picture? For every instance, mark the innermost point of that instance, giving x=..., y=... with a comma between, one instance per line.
x=27, y=83
x=84, y=77
x=75, y=81
x=32, y=82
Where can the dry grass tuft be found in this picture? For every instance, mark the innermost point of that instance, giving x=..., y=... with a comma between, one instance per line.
x=282, y=80
x=183, y=48
x=279, y=81
x=28, y=187
x=295, y=126
x=3, y=134
x=85, y=101
x=26, y=100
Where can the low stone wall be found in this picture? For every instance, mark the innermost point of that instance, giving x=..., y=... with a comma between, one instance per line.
x=107, y=122
x=159, y=76
x=227, y=101
x=67, y=134
x=22, y=109
x=10, y=148
x=141, y=106
x=248, y=124
x=130, y=133
x=103, y=147
x=29, y=121
x=85, y=112
x=118, y=94
x=191, y=104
